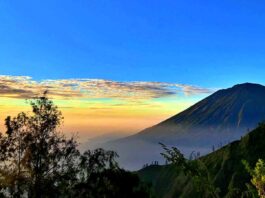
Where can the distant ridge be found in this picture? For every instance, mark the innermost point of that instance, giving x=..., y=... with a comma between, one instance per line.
x=231, y=110
x=222, y=117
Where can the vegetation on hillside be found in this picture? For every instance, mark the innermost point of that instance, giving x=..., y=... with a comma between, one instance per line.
x=258, y=178
x=219, y=174
x=196, y=170
x=37, y=160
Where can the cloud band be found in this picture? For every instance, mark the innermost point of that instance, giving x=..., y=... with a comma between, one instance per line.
x=25, y=87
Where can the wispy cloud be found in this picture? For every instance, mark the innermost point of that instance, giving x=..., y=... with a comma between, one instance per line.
x=26, y=87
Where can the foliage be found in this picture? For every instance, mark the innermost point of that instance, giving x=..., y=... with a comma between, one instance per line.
x=195, y=169
x=258, y=176
x=224, y=166
x=37, y=160
x=258, y=179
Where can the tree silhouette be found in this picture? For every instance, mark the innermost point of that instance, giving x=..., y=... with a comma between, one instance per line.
x=38, y=161
x=34, y=155
x=195, y=169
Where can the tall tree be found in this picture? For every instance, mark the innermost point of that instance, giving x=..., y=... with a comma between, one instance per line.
x=38, y=161
x=195, y=169
x=34, y=154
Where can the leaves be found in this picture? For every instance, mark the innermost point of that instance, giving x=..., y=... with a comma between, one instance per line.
x=37, y=160
x=258, y=176
x=195, y=169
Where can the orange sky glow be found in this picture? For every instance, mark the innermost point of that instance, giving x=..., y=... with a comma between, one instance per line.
x=95, y=107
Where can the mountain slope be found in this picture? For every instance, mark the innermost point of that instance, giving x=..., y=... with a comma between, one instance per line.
x=226, y=111
x=217, y=120
x=224, y=165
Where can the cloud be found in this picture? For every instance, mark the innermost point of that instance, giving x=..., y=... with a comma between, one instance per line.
x=193, y=90
x=26, y=87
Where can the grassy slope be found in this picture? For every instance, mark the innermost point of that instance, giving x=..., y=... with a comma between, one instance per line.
x=166, y=180
x=224, y=164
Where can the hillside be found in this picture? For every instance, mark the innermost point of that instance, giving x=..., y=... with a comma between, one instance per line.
x=227, y=111
x=217, y=120
x=225, y=166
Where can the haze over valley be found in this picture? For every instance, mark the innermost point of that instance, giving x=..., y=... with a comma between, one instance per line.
x=132, y=99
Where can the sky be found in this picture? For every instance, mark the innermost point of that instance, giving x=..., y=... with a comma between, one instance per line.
x=120, y=66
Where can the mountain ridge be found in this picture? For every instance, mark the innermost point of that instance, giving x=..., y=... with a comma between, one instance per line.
x=218, y=119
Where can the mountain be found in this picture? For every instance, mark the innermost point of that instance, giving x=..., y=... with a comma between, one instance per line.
x=216, y=120
x=225, y=166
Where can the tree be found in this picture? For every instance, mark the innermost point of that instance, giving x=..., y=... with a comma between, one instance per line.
x=195, y=169
x=37, y=160
x=35, y=157
x=100, y=176
x=12, y=155
x=258, y=178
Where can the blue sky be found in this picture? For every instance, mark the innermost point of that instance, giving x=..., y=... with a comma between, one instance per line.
x=207, y=43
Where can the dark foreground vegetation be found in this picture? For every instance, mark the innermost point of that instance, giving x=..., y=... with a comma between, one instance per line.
x=234, y=171
x=36, y=160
